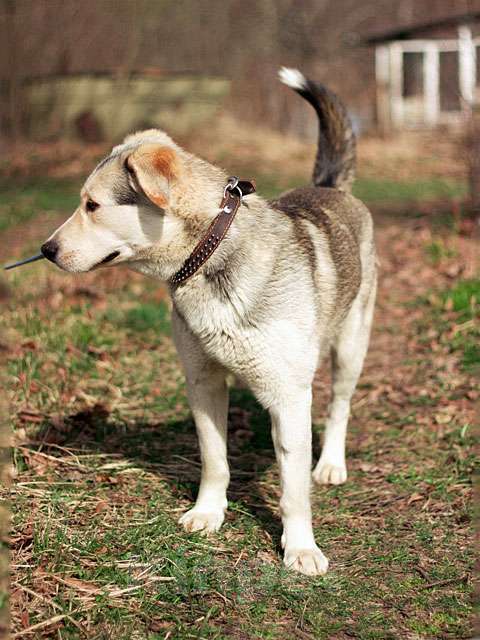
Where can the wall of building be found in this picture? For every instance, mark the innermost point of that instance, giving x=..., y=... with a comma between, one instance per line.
x=118, y=106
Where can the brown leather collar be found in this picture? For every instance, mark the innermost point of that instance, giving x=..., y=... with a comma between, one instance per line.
x=234, y=191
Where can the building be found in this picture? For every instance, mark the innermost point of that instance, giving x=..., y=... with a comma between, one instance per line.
x=106, y=105
x=427, y=74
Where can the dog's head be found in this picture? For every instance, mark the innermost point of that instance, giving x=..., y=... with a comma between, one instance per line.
x=128, y=210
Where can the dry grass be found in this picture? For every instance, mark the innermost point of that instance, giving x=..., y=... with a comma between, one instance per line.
x=405, y=156
x=106, y=460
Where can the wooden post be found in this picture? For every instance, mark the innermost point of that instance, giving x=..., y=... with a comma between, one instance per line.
x=431, y=84
x=473, y=158
x=396, y=84
x=466, y=63
x=382, y=76
x=13, y=81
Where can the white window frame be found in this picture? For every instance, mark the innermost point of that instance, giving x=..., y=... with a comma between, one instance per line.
x=389, y=71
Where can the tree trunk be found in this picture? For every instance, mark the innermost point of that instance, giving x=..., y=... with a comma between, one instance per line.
x=473, y=158
x=13, y=112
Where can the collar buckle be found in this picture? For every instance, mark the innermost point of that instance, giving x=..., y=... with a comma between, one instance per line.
x=217, y=229
x=232, y=185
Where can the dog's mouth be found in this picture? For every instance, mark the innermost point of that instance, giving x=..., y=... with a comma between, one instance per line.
x=110, y=257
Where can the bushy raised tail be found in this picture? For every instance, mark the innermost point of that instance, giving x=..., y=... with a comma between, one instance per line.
x=335, y=161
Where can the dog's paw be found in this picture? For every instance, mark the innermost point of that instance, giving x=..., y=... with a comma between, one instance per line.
x=311, y=562
x=206, y=522
x=326, y=473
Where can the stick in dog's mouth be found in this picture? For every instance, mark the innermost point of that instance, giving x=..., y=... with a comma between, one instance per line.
x=38, y=256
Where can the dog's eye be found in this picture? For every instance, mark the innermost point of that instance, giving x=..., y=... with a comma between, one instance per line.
x=91, y=205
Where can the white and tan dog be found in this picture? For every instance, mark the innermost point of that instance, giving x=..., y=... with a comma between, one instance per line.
x=292, y=281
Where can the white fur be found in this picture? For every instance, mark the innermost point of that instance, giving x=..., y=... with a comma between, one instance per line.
x=348, y=354
x=292, y=78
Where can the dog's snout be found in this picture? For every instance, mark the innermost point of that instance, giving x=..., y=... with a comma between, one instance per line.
x=49, y=250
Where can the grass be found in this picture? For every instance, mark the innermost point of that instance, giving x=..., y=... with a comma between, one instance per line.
x=107, y=460
x=148, y=316
x=109, y=539
x=370, y=190
x=23, y=200
x=464, y=298
x=455, y=313
x=437, y=250
x=377, y=190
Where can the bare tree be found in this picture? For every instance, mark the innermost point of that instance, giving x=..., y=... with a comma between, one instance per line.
x=12, y=80
x=472, y=146
x=243, y=40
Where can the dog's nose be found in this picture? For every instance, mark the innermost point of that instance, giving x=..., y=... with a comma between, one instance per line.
x=49, y=250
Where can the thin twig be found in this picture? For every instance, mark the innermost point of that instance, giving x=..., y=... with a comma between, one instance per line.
x=443, y=583
x=36, y=595
x=45, y=623
x=197, y=464
x=33, y=452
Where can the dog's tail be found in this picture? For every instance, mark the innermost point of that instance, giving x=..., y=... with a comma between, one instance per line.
x=335, y=161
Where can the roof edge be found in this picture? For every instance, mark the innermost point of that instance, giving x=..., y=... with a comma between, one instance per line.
x=404, y=32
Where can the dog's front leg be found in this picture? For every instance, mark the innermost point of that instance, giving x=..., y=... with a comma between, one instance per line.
x=291, y=431
x=208, y=397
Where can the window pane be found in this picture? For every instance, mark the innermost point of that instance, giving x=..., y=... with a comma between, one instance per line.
x=449, y=81
x=412, y=74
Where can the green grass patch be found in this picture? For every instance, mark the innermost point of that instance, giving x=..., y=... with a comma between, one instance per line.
x=464, y=298
x=383, y=190
x=23, y=200
x=455, y=314
x=437, y=250
x=369, y=190
x=148, y=316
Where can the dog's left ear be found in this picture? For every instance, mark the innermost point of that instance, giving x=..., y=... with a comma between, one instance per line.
x=153, y=167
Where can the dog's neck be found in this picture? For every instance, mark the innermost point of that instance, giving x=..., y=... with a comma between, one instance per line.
x=233, y=195
x=224, y=292
x=194, y=202
x=234, y=276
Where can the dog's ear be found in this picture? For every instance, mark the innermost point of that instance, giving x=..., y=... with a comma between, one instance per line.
x=153, y=167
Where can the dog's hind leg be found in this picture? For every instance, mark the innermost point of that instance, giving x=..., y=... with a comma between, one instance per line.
x=292, y=433
x=208, y=398
x=348, y=354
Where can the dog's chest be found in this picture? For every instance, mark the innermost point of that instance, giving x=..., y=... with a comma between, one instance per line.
x=221, y=329
x=259, y=348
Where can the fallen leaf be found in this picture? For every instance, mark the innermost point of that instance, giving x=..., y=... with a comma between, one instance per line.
x=25, y=618
x=31, y=416
x=442, y=418
x=81, y=585
x=101, y=506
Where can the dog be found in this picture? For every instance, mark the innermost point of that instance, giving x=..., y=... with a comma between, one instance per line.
x=266, y=297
